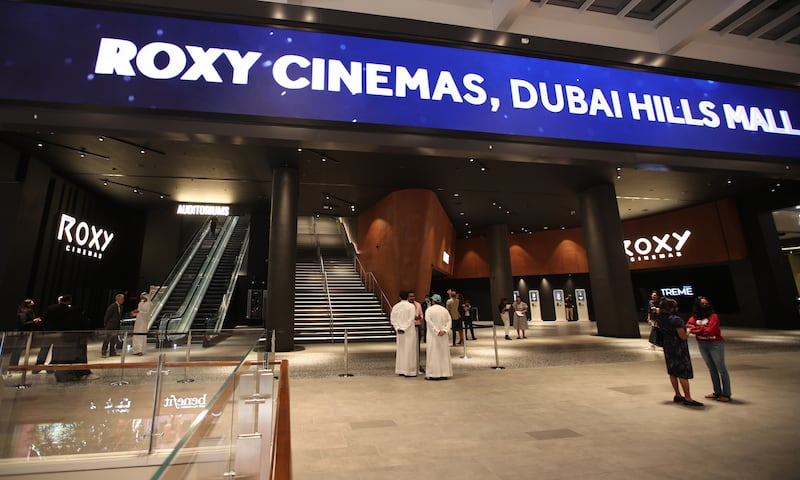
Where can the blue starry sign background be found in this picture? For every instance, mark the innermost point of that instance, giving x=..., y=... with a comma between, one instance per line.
x=115, y=59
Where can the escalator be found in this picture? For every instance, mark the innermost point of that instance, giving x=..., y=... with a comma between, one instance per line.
x=198, y=291
x=183, y=285
x=209, y=310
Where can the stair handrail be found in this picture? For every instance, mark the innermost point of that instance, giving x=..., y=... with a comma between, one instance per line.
x=386, y=306
x=367, y=278
x=188, y=310
x=161, y=295
x=226, y=298
x=324, y=275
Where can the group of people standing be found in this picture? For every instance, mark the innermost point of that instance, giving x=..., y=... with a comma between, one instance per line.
x=434, y=321
x=670, y=332
x=518, y=311
x=63, y=333
x=439, y=323
x=407, y=318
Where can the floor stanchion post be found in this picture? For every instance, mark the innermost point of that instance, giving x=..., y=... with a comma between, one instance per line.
x=497, y=365
x=346, y=359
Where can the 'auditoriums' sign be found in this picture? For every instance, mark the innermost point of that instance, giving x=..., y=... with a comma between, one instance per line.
x=120, y=59
x=207, y=210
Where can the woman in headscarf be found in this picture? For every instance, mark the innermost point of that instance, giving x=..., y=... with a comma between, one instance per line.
x=676, y=350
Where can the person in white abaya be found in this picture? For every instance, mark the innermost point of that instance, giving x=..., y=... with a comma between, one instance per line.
x=143, y=313
x=402, y=318
x=437, y=352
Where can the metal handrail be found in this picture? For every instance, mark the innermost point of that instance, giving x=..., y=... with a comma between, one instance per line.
x=324, y=276
x=386, y=306
x=187, y=311
x=177, y=271
x=206, y=275
x=367, y=278
x=226, y=299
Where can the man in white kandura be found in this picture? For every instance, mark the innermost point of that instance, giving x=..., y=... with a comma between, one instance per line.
x=437, y=352
x=143, y=315
x=402, y=318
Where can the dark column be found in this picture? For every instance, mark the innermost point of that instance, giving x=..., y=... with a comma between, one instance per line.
x=282, y=253
x=501, y=283
x=772, y=273
x=612, y=289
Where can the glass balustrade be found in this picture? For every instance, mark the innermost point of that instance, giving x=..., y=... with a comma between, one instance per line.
x=74, y=409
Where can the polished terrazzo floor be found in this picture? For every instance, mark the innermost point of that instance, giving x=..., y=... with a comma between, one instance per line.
x=568, y=405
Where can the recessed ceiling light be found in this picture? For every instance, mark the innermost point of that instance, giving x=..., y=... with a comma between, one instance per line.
x=455, y=194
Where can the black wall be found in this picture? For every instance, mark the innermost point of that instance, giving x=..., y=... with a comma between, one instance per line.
x=35, y=263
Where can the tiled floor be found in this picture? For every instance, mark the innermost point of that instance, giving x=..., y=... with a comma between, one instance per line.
x=568, y=405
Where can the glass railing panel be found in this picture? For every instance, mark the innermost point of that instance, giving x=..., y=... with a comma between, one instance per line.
x=231, y=437
x=55, y=404
x=128, y=406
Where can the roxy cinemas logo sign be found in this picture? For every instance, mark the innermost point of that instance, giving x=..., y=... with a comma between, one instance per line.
x=656, y=247
x=82, y=238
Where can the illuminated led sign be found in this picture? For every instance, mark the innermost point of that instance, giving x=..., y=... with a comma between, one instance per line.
x=213, y=210
x=684, y=291
x=82, y=238
x=656, y=247
x=117, y=59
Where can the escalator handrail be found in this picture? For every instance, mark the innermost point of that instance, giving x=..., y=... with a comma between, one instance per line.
x=226, y=299
x=198, y=290
x=178, y=270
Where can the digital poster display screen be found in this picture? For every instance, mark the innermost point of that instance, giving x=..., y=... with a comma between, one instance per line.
x=98, y=58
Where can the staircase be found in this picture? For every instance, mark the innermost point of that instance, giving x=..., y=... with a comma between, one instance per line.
x=354, y=308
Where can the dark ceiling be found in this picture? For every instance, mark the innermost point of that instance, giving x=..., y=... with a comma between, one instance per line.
x=476, y=188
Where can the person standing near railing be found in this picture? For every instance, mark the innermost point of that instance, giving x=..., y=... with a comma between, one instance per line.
x=27, y=320
x=70, y=347
x=111, y=322
x=143, y=314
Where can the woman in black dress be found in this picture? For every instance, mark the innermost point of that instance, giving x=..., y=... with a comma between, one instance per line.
x=676, y=351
